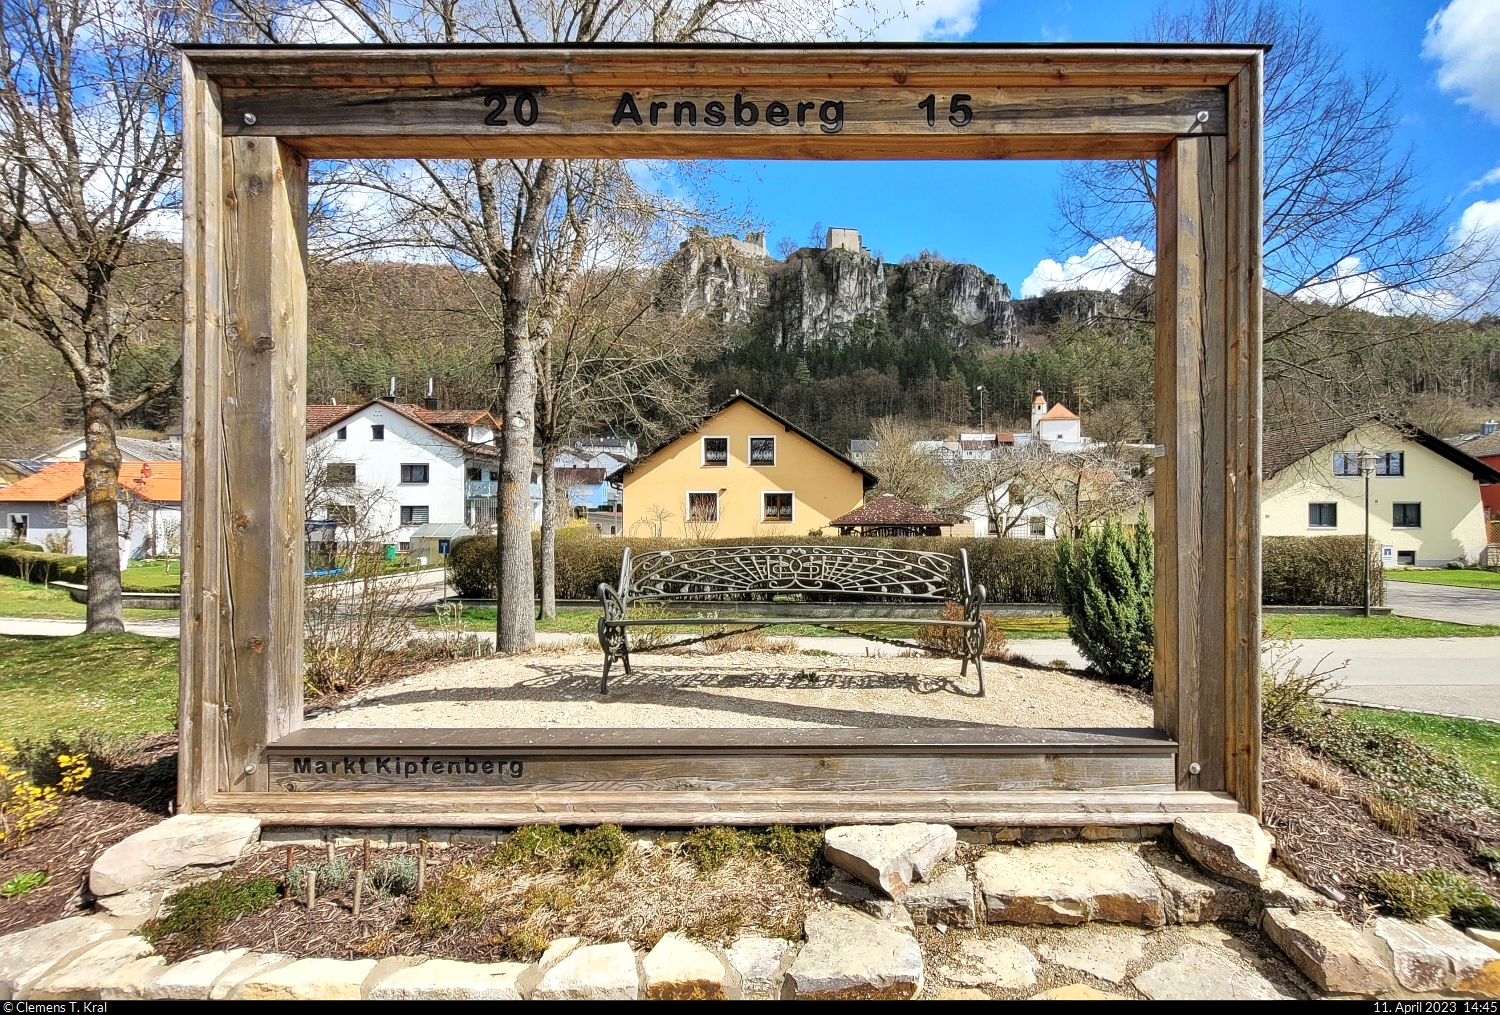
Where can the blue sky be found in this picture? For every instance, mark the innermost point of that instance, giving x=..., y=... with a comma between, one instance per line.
x=1000, y=215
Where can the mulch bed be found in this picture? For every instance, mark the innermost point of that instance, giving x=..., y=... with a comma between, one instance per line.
x=135, y=791
x=1332, y=840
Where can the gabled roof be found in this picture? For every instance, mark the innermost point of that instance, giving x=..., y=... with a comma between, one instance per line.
x=870, y=479
x=1285, y=446
x=160, y=482
x=578, y=477
x=888, y=509
x=321, y=418
x=1481, y=446
x=1059, y=411
x=446, y=417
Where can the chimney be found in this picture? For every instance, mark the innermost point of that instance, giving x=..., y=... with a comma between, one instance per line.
x=430, y=403
x=392, y=396
x=1038, y=410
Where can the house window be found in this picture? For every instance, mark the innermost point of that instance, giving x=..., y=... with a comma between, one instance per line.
x=475, y=475
x=716, y=451
x=1406, y=516
x=377, y=432
x=703, y=507
x=1038, y=526
x=338, y=474
x=414, y=515
x=1406, y=558
x=762, y=450
x=1387, y=463
x=1322, y=516
x=776, y=507
x=414, y=473
x=19, y=525
x=343, y=434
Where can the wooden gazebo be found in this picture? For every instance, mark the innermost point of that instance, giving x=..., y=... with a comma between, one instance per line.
x=889, y=515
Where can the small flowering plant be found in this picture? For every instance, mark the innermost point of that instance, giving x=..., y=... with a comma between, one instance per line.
x=25, y=806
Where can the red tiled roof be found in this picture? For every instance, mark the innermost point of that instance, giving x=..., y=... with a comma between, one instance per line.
x=1059, y=411
x=160, y=482
x=321, y=417
x=888, y=509
x=324, y=417
x=579, y=477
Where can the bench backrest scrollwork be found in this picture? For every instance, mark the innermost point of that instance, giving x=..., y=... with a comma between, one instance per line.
x=740, y=572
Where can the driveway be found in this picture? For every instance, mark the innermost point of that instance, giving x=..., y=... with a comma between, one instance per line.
x=1449, y=676
x=1453, y=603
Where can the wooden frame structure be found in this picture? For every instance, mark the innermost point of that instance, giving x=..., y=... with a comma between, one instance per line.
x=253, y=117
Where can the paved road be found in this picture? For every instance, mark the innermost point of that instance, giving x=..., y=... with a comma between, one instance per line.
x=63, y=628
x=1452, y=603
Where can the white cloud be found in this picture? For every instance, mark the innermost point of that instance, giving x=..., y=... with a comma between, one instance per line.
x=1493, y=176
x=922, y=19
x=1349, y=286
x=1107, y=266
x=1482, y=218
x=1464, y=38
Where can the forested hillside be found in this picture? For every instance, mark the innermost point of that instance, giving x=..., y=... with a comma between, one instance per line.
x=918, y=346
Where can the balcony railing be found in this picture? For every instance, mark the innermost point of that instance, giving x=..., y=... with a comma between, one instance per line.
x=482, y=488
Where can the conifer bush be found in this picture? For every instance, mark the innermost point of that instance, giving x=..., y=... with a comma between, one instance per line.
x=1105, y=579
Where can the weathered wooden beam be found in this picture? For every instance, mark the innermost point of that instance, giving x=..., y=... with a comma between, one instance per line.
x=261, y=413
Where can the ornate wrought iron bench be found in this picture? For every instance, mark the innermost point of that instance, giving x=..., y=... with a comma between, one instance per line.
x=772, y=574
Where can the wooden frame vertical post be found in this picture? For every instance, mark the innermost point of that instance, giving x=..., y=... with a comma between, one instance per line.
x=244, y=419
x=1208, y=414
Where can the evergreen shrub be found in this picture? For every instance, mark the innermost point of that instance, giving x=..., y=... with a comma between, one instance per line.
x=1105, y=580
x=1319, y=571
x=1012, y=570
x=40, y=567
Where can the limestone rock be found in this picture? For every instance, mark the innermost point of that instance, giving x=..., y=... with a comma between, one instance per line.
x=1282, y=891
x=1490, y=938
x=849, y=890
x=1076, y=992
x=1329, y=951
x=960, y=994
x=889, y=857
x=1419, y=964
x=761, y=962
x=1232, y=845
x=310, y=980
x=131, y=909
x=991, y=962
x=1110, y=833
x=852, y=956
x=1105, y=953
x=243, y=969
x=113, y=970
x=170, y=847
x=1193, y=897
x=592, y=973
x=1199, y=973
x=1472, y=967
x=948, y=898
x=681, y=970
x=1065, y=883
x=193, y=979
x=447, y=980
x=28, y=955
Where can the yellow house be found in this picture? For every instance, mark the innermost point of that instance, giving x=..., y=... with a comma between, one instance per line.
x=1425, y=506
x=744, y=471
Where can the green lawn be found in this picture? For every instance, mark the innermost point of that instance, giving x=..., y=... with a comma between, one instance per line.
x=1476, y=743
x=1322, y=625
x=118, y=684
x=577, y=621
x=1467, y=579
x=152, y=576
x=23, y=599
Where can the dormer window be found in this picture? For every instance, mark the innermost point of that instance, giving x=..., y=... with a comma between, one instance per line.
x=715, y=451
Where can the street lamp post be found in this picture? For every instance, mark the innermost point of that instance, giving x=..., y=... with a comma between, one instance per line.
x=1367, y=460
x=980, y=389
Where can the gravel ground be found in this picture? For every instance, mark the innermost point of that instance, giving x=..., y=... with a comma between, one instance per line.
x=740, y=689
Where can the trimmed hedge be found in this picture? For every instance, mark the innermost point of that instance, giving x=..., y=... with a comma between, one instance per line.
x=1012, y=570
x=1319, y=571
x=40, y=567
x=1297, y=570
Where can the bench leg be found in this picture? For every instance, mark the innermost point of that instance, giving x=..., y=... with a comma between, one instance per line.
x=979, y=669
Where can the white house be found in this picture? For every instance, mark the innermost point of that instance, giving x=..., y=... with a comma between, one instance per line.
x=1059, y=427
x=385, y=469
x=1008, y=510
x=47, y=509
x=1425, y=507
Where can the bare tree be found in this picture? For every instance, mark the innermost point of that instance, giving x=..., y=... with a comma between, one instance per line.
x=494, y=214
x=1015, y=484
x=905, y=468
x=88, y=155
x=1344, y=226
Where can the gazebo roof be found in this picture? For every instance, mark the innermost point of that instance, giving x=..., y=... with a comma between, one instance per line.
x=888, y=509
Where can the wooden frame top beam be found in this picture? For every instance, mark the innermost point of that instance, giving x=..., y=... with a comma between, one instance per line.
x=800, y=102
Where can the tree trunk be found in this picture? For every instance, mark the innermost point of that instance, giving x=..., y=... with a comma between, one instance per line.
x=549, y=530
x=101, y=492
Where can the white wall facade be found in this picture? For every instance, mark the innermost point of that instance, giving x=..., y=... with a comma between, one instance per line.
x=153, y=525
x=1452, y=517
x=1044, y=511
x=377, y=465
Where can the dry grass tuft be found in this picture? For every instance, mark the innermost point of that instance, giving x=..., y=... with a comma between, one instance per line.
x=1316, y=772
x=519, y=904
x=1390, y=814
x=749, y=641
